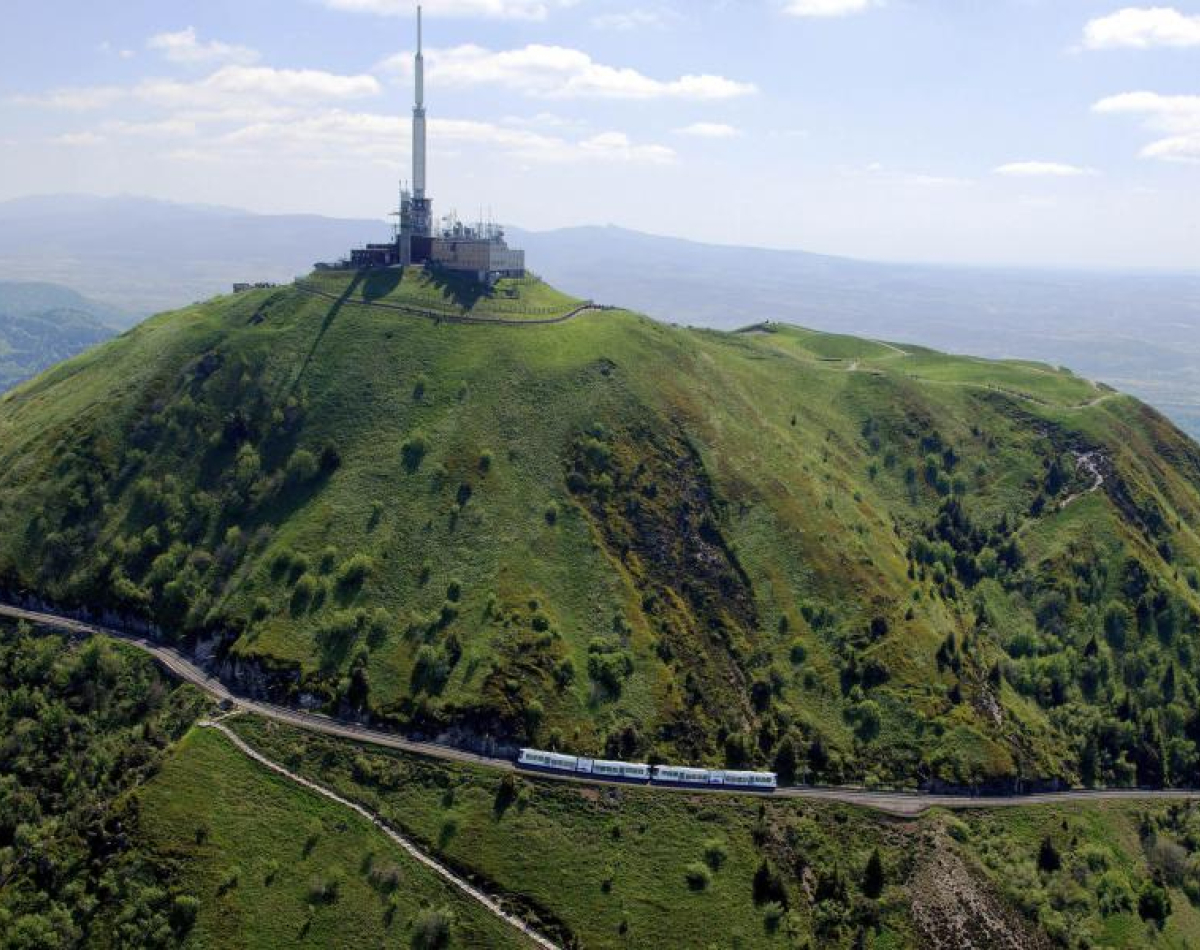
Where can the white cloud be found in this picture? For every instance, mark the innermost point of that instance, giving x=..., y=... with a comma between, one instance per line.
x=75, y=98
x=492, y=9
x=827, y=8
x=241, y=85
x=78, y=139
x=637, y=19
x=616, y=146
x=877, y=171
x=1043, y=170
x=557, y=72
x=171, y=128
x=709, y=130
x=236, y=89
x=1142, y=28
x=1177, y=117
x=184, y=47
x=334, y=134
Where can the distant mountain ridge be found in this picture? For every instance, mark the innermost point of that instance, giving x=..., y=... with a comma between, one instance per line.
x=147, y=256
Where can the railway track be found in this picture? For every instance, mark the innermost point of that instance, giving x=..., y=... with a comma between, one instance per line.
x=900, y=803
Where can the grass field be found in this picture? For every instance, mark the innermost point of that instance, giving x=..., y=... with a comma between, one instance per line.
x=274, y=865
x=610, y=867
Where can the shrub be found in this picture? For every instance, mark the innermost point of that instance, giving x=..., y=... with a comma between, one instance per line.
x=485, y=462
x=354, y=571
x=715, y=853
x=551, y=514
x=304, y=591
x=430, y=671
x=697, y=875
x=609, y=665
x=325, y=889
x=1113, y=894
x=413, y=451
x=1169, y=858
x=230, y=880
x=301, y=467
x=432, y=929
x=1154, y=904
x=183, y=913
x=385, y=878
x=328, y=560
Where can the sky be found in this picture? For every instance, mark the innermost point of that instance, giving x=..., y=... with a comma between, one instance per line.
x=1032, y=132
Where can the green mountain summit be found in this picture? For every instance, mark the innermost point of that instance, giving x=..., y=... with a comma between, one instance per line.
x=847, y=559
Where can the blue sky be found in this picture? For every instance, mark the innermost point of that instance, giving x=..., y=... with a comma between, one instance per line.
x=991, y=131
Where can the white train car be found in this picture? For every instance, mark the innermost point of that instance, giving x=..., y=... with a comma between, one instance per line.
x=620, y=771
x=681, y=775
x=550, y=761
x=751, y=781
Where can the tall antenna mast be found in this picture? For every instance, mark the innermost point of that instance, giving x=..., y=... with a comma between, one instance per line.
x=422, y=213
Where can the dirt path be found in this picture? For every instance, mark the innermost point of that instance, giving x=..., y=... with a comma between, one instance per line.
x=411, y=849
x=1090, y=463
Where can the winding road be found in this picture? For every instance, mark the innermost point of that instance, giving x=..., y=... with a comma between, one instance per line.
x=906, y=804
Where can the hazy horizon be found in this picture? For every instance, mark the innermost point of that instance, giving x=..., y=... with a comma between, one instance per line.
x=1010, y=134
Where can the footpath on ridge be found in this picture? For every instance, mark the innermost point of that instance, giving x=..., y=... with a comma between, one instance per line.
x=901, y=803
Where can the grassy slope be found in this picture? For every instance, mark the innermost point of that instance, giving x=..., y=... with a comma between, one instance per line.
x=790, y=447
x=259, y=825
x=608, y=867
x=447, y=292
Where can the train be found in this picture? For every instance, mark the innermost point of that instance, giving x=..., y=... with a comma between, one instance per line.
x=677, y=776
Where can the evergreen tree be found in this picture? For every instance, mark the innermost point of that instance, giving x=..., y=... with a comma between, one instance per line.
x=873, y=877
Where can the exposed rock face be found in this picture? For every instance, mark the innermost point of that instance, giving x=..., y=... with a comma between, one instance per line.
x=953, y=910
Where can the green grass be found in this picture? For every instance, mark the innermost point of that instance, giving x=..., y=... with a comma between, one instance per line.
x=256, y=850
x=608, y=867
x=449, y=293
x=702, y=503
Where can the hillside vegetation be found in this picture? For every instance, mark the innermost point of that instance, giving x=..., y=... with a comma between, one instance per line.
x=42, y=324
x=82, y=727
x=620, y=867
x=847, y=559
x=274, y=865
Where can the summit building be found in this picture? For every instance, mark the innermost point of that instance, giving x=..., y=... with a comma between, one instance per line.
x=480, y=249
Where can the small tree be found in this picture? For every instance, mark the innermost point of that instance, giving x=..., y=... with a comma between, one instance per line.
x=873, y=876
x=785, y=760
x=1154, y=904
x=1049, y=859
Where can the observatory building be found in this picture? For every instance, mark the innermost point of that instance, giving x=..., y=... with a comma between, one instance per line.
x=478, y=249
